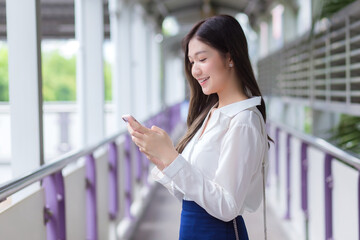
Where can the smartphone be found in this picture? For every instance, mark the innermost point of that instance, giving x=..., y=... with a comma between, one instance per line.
x=126, y=117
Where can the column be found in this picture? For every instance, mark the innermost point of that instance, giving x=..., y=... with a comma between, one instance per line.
x=140, y=87
x=156, y=40
x=120, y=25
x=89, y=32
x=25, y=84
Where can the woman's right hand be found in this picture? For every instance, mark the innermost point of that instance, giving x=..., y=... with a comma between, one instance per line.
x=155, y=143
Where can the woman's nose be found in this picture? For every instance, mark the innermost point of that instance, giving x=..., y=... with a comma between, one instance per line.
x=196, y=71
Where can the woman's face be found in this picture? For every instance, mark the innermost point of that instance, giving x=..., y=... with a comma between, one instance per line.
x=209, y=67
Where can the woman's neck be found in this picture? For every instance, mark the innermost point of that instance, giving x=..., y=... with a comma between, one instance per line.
x=226, y=99
x=231, y=92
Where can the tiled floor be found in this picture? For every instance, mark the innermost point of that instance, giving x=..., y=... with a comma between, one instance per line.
x=161, y=220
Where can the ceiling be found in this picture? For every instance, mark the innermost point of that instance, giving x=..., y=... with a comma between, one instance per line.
x=58, y=15
x=187, y=12
x=57, y=19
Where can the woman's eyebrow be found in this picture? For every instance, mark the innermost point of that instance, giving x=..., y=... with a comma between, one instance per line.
x=197, y=53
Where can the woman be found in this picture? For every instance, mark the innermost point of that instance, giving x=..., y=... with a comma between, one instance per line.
x=216, y=169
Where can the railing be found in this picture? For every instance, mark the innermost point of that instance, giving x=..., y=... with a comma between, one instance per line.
x=60, y=122
x=319, y=69
x=314, y=185
x=83, y=194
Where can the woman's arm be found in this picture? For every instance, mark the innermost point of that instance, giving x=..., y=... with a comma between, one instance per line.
x=222, y=197
x=167, y=183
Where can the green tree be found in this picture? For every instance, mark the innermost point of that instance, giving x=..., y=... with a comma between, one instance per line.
x=4, y=77
x=107, y=78
x=346, y=135
x=59, y=77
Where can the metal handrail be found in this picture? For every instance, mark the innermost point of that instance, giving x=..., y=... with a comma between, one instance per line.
x=350, y=159
x=13, y=186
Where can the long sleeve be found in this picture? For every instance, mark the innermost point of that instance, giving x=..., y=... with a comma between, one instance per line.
x=167, y=183
x=241, y=154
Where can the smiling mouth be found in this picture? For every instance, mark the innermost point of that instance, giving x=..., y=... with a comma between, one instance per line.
x=203, y=80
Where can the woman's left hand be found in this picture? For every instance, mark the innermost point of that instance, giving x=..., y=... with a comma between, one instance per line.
x=155, y=143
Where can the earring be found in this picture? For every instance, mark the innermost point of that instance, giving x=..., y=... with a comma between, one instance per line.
x=230, y=65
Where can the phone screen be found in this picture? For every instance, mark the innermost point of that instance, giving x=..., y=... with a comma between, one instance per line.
x=126, y=118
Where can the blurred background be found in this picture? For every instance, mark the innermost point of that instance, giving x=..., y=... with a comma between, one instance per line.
x=70, y=68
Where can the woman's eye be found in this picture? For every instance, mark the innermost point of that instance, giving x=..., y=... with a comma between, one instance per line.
x=203, y=60
x=191, y=63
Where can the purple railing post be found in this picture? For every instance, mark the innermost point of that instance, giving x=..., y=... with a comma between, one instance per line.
x=145, y=162
x=288, y=180
x=54, y=212
x=304, y=186
x=167, y=119
x=175, y=115
x=328, y=197
x=304, y=180
x=146, y=170
x=91, y=208
x=113, y=181
x=128, y=174
x=277, y=157
x=139, y=165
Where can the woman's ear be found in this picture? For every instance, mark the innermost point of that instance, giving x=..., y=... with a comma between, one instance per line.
x=229, y=60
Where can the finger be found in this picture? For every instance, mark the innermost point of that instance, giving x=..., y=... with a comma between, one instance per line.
x=142, y=150
x=130, y=130
x=157, y=129
x=137, y=135
x=137, y=141
x=135, y=125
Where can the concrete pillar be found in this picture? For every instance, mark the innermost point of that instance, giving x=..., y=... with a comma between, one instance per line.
x=138, y=50
x=25, y=85
x=148, y=67
x=294, y=115
x=155, y=64
x=120, y=25
x=89, y=69
x=175, y=80
x=289, y=24
x=322, y=122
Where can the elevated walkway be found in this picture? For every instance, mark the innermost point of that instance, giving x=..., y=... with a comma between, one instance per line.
x=161, y=220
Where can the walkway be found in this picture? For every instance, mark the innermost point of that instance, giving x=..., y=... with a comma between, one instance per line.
x=161, y=220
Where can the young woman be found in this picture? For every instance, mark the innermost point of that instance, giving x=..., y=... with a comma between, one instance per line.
x=216, y=169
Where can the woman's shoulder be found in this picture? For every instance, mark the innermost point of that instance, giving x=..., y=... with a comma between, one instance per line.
x=250, y=117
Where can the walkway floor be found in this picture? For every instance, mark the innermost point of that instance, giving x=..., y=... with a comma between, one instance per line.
x=161, y=220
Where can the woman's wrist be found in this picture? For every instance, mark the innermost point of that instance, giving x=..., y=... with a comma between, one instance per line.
x=169, y=159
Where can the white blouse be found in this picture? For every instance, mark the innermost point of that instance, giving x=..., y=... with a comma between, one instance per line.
x=222, y=170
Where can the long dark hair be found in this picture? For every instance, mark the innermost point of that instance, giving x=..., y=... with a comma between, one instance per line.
x=225, y=34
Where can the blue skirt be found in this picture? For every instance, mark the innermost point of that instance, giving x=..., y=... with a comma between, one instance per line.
x=197, y=224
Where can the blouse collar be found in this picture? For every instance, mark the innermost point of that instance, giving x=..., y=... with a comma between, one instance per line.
x=232, y=109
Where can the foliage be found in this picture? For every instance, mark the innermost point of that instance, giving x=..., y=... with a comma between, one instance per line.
x=346, y=135
x=325, y=9
x=329, y=7
x=108, y=81
x=4, y=78
x=59, y=77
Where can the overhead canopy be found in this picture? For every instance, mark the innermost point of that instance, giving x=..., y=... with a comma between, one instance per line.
x=57, y=19
x=187, y=12
x=58, y=15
